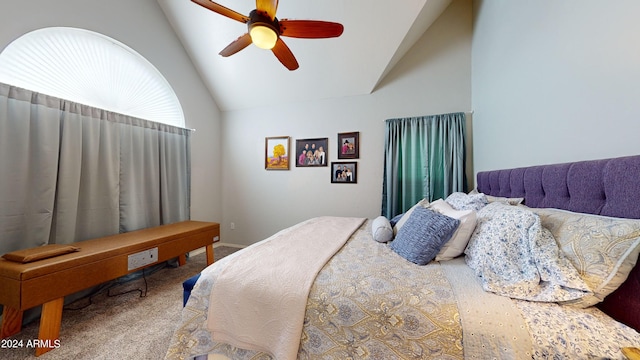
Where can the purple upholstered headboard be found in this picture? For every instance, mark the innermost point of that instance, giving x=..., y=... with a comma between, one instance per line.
x=609, y=187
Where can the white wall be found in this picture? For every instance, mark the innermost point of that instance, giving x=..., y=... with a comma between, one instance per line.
x=555, y=81
x=433, y=78
x=141, y=25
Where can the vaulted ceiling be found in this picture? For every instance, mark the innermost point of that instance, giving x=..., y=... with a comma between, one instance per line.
x=377, y=34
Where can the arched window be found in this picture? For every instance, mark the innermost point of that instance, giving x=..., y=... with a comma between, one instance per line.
x=92, y=69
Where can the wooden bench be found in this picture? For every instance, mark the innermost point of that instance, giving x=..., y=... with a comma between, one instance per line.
x=46, y=282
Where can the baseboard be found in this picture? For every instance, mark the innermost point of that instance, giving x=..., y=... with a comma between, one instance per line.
x=229, y=245
x=215, y=245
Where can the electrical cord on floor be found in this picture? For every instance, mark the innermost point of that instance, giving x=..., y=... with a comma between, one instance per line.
x=108, y=287
x=89, y=299
x=143, y=293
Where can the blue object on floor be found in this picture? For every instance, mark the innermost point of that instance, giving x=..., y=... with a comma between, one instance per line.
x=188, y=286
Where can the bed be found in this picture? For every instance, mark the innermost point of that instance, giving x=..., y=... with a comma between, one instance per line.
x=537, y=262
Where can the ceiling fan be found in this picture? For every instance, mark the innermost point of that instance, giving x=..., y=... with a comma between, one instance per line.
x=265, y=30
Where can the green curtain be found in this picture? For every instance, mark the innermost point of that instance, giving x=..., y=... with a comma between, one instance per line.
x=424, y=158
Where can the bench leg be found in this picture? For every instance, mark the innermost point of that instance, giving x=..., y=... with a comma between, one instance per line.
x=182, y=259
x=50, y=321
x=209, y=254
x=11, y=322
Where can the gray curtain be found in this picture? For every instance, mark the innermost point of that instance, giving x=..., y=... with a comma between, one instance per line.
x=424, y=158
x=71, y=172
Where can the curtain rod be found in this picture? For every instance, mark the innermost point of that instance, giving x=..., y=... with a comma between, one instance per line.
x=470, y=112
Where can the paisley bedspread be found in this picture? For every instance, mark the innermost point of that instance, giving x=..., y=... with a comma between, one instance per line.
x=369, y=303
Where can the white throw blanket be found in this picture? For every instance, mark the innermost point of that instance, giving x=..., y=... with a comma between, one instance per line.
x=258, y=302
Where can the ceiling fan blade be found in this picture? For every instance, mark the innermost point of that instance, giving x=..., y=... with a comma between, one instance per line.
x=310, y=29
x=284, y=54
x=268, y=6
x=222, y=10
x=237, y=45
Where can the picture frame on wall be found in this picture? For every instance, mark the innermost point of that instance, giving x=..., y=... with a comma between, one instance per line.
x=312, y=152
x=344, y=172
x=276, y=151
x=349, y=145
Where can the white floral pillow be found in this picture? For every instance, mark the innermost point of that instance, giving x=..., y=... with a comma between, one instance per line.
x=515, y=256
x=603, y=249
x=506, y=200
x=462, y=201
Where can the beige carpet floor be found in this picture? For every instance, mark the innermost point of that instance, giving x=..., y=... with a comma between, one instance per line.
x=116, y=324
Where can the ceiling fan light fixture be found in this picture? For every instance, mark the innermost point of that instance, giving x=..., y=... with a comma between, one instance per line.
x=263, y=36
x=265, y=30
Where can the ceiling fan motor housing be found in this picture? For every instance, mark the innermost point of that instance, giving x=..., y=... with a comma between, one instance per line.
x=257, y=18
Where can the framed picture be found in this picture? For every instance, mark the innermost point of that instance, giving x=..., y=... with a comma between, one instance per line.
x=349, y=145
x=311, y=152
x=344, y=172
x=276, y=151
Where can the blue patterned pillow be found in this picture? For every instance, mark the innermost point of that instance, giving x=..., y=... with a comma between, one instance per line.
x=419, y=240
